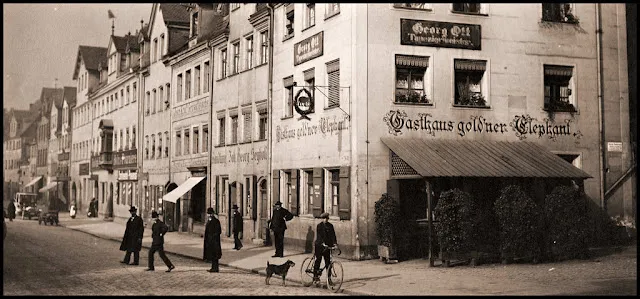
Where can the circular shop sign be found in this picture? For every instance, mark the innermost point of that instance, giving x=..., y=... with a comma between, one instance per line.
x=303, y=102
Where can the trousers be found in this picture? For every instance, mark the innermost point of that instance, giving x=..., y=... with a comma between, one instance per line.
x=163, y=256
x=278, y=236
x=136, y=257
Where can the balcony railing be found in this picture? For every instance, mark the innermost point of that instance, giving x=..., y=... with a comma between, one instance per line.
x=126, y=159
x=106, y=160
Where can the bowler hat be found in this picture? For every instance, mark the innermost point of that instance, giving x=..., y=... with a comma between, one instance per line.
x=133, y=209
x=154, y=214
x=210, y=211
x=278, y=203
x=235, y=206
x=324, y=215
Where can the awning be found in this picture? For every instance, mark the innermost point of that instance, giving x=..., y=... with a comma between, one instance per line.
x=481, y=158
x=33, y=181
x=48, y=186
x=182, y=189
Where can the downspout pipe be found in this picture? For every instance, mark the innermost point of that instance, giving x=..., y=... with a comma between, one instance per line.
x=600, y=86
x=270, y=100
x=209, y=146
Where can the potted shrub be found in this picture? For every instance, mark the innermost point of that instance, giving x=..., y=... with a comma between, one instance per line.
x=386, y=215
x=566, y=220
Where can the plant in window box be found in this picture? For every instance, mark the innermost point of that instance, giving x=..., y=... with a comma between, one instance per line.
x=415, y=97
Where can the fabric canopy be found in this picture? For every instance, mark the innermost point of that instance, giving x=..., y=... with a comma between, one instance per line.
x=48, y=186
x=481, y=158
x=182, y=189
x=33, y=181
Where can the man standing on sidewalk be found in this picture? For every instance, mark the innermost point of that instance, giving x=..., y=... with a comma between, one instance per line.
x=279, y=216
x=237, y=228
x=132, y=240
x=212, y=247
x=158, y=229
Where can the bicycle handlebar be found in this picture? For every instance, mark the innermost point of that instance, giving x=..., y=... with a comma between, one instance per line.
x=332, y=248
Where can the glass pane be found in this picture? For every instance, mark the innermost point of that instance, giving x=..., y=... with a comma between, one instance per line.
x=402, y=78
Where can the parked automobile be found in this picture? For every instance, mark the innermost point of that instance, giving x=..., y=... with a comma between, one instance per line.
x=50, y=217
x=26, y=204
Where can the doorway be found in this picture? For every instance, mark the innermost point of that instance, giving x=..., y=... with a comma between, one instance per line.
x=233, y=192
x=264, y=204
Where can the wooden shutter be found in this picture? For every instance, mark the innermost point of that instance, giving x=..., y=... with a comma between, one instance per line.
x=334, y=88
x=293, y=208
x=254, y=197
x=275, y=188
x=344, y=205
x=318, y=196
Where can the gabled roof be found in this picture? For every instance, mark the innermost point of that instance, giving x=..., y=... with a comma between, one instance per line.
x=29, y=129
x=69, y=95
x=49, y=96
x=120, y=42
x=91, y=56
x=143, y=34
x=176, y=14
x=21, y=115
x=213, y=24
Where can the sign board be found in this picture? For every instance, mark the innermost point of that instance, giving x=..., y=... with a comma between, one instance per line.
x=84, y=169
x=308, y=49
x=614, y=146
x=303, y=102
x=439, y=34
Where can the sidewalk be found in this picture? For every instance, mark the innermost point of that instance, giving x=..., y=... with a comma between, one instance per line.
x=372, y=277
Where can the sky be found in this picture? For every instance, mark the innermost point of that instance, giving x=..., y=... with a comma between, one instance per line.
x=40, y=42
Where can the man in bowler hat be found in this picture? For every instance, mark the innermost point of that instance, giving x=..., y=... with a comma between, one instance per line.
x=212, y=248
x=158, y=230
x=132, y=240
x=237, y=228
x=279, y=216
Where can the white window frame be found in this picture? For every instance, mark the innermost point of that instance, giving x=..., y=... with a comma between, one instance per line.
x=427, y=81
x=309, y=19
x=485, y=83
x=572, y=84
x=329, y=206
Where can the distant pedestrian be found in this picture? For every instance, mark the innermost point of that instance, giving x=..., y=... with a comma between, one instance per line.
x=11, y=210
x=132, y=240
x=237, y=228
x=212, y=248
x=72, y=211
x=92, y=208
x=158, y=230
x=279, y=216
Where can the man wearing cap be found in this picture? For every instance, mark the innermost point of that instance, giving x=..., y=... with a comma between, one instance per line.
x=212, y=248
x=325, y=236
x=132, y=240
x=158, y=230
x=279, y=216
x=237, y=228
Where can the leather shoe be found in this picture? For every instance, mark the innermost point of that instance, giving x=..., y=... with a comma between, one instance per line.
x=171, y=268
x=149, y=269
x=134, y=264
x=123, y=262
x=211, y=271
x=275, y=255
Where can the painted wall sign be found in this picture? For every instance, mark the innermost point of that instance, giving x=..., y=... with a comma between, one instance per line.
x=304, y=103
x=194, y=108
x=190, y=162
x=83, y=169
x=614, y=146
x=326, y=126
x=522, y=125
x=237, y=155
x=440, y=34
x=309, y=48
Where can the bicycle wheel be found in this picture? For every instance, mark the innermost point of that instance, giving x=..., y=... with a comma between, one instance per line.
x=306, y=272
x=334, y=276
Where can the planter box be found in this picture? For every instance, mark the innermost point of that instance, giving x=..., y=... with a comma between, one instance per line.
x=387, y=254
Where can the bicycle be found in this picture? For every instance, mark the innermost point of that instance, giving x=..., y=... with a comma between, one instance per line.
x=334, y=275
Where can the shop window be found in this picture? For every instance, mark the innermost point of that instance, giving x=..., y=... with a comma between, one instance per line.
x=234, y=129
x=423, y=6
x=289, y=21
x=262, y=127
x=332, y=9
x=558, y=12
x=470, y=83
x=222, y=129
x=411, y=79
x=558, y=83
x=309, y=15
x=333, y=81
x=473, y=8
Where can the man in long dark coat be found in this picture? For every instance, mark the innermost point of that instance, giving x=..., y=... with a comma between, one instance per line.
x=212, y=248
x=279, y=216
x=132, y=240
x=11, y=211
x=237, y=228
x=158, y=229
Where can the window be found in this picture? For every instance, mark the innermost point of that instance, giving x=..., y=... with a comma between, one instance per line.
x=154, y=53
x=234, y=129
x=135, y=92
x=187, y=142
x=153, y=102
x=249, y=46
x=333, y=198
x=161, y=46
x=558, y=12
x=121, y=97
x=159, y=145
x=223, y=63
x=205, y=138
x=122, y=141
x=128, y=96
x=264, y=47
x=160, y=98
x=311, y=83
x=187, y=85
x=146, y=147
x=196, y=140
x=557, y=88
x=148, y=105
x=221, y=136
x=196, y=80
x=332, y=9
x=288, y=97
x=127, y=140
x=262, y=127
x=194, y=24
x=179, y=89
x=207, y=77
x=235, y=67
x=153, y=146
x=178, y=144
x=290, y=190
x=307, y=193
x=466, y=8
x=469, y=82
x=410, y=79
x=424, y=6
x=166, y=144
x=247, y=126
x=309, y=15
x=168, y=100
x=133, y=137
x=333, y=81
x=289, y=21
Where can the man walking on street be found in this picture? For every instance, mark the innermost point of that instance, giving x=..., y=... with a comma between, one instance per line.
x=11, y=210
x=158, y=230
x=237, y=228
x=212, y=247
x=132, y=240
x=279, y=216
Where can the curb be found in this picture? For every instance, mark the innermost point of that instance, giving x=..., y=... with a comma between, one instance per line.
x=341, y=291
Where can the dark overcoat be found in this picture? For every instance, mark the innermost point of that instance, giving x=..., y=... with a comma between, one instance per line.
x=325, y=234
x=279, y=219
x=158, y=230
x=212, y=247
x=237, y=222
x=132, y=240
x=11, y=210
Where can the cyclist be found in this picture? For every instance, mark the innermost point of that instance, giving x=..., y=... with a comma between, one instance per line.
x=325, y=237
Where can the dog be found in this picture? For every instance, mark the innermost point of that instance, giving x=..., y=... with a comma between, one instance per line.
x=281, y=270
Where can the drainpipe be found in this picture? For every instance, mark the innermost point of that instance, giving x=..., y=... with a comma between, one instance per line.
x=600, y=86
x=210, y=128
x=270, y=99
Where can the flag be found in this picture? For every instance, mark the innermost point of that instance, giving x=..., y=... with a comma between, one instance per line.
x=111, y=15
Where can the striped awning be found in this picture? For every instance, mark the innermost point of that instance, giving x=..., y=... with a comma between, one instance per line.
x=470, y=65
x=182, y=189
x=48, y=187
x=481, y=158
x=412, y=61
x=558, y=70
x=33, y=181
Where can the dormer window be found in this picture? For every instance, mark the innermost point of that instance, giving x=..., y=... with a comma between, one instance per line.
x=194, y=24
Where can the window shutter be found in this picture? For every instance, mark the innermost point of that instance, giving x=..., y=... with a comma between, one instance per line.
x=344, y=206
x=334, y=88
x=294, y=193
x=275, y=188
x=318, y=196
x=254, y=198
